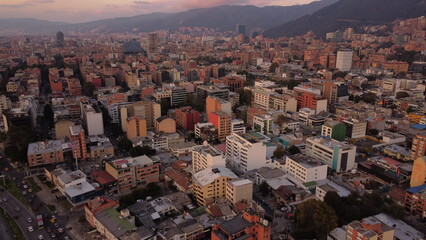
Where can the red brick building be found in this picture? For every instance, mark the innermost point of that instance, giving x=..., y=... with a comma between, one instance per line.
x=186, y=118
x=234, y=83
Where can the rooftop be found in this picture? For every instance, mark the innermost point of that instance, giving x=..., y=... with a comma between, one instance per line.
x=240, y=182
x=305, y=161
x=131, y=162
x=235, y=225
x=111, y=219
x=329, y=142
x=79, y=189
x=44, y=147
x=207, y=149
x=209, y=175
x=402, y=230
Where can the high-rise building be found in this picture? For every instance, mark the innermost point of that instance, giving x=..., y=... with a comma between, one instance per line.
x=241, y=29
x=222, y=121
x=245, y=152
x=60, y=40
x=205, y=156
x=418, y=149
x=203, y=92
x=344, y=60
x=186, y=118
x=310, y=98
x=215, y=104
x=92, y=118
x=148, y=110
x=136, y=127
x=79, y=149
x=153, y=41
x=418, y=175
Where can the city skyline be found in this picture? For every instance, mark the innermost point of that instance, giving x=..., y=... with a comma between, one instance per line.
x=78, y=11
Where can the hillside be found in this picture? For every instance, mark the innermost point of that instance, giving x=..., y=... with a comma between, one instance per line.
x=350, y=13
x=223, y=18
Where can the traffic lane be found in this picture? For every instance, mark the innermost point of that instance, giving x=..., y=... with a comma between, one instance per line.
x=23, y=215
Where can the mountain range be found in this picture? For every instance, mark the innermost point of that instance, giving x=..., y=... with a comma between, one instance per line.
x=223, y=18
x=350, y=13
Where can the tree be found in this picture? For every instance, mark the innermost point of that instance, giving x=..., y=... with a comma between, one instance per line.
x=279, y=152
x=272, y=67
x=369, y=98
x=88, y=89
x=264, y=189
x=293, y=150
x=339, y=74
x=317, y=217
x=125, y=144
x=373, y=132
x=144, y=150
x=411, y=109
x=281, y=119
x=335, y=201
x=400, y=95
x=48, y=114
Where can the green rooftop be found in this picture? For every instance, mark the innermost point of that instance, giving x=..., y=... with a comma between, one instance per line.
x=115, y=216
x=310, y=184
x=256, y=135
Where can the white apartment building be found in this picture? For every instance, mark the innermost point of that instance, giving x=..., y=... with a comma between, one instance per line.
x=239, y=190
x=305, y=168
x=92, y=119
x=339, y=156
x=344, y=60
x=245, y=152
x=237, y=126
x=205, y=156
x=304, y=114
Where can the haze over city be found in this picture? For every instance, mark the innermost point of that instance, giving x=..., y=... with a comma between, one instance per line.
x=77, y=11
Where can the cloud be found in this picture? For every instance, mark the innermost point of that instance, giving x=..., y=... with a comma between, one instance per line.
x=141, y=2
x=27, y=3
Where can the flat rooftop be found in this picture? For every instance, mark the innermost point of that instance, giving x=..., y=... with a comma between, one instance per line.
x=305, y=161
x=209, y=175
x=130, y=162
x=44, y=147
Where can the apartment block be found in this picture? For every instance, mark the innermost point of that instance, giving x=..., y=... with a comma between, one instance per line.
x=131, y=172
x=210, y=184
x=334, y=129
x=136, y=127
x=245, y=152
x=339, y=156
x=305, y=168
x=415, y=201
x=418, y=148
x=222, y=121
x=45, y=152
x=215, y=104
x=205, y=156
x=310, y=98
x=237, y=126
x=186, y=118
x=369, y=228
x=263, y=124
x=92, y=118
x=418, y=175
x=78, y=137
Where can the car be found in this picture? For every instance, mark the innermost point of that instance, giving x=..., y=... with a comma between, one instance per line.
x=40, y=237
x=29, y=220
x=56, y=225
x=60, y=230
x=17, y=209
x=24, y=193
x=4, y=199
x=25, y=186
x=53, y=235
x=48, y=230
x=30, y=190
x=30, y=229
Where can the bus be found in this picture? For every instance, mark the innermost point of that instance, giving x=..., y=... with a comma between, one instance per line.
x=40, y=223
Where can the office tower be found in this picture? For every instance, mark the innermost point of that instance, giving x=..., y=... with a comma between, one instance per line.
x=153, y=42
x=60, y=40
x=344, y=60
x=241, y=29
x=132, y=46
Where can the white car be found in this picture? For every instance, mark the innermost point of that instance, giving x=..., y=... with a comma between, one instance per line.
x=40, y=237
x=25, y=186
x=30, y=229
x=29, y=220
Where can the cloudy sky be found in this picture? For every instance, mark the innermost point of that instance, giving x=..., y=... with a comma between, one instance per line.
x=75, y=11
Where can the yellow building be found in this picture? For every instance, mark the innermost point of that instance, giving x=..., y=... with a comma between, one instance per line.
x=215, y=104
x=62, y=129
x=210, y=184
x=165, y=125
x=370, y=228
x=418, y=176
x=136, y=127
x=415, y=117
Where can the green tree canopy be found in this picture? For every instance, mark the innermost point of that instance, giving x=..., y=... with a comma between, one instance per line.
x=125, y=144
x=88, y=89
x=400, y=95
x=279, y=152
x=316, y=217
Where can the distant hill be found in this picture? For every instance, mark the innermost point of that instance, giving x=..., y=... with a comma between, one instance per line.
x=223, y=18
x=14, y=26
x=350, y=13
